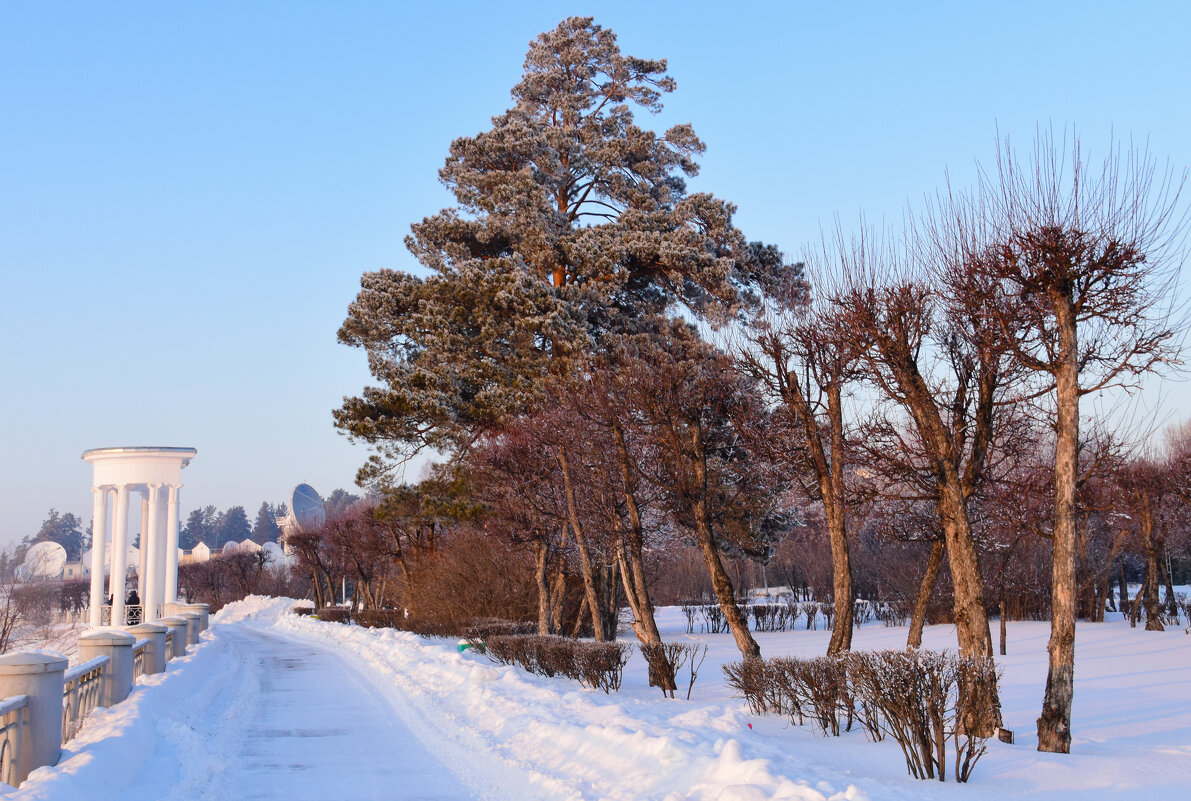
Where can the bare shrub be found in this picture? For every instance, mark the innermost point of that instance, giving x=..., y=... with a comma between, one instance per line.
x=380, y=618
x=748, y=678
x=925, y=698
x=333, y=614
x=922, y=699
x=598, y=665
x=667, y=659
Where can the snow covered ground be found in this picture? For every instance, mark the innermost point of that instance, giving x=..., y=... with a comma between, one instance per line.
x=275, y=706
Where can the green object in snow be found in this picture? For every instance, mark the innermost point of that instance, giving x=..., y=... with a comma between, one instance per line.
x=462, y=646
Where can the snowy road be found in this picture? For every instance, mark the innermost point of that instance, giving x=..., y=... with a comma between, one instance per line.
x=318, y=729
x=251, y=714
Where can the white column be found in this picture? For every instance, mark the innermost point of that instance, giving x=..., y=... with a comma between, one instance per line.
x=142, y=568
x=171, y=546
x=99, y=527
x=151, y=555
x=119, y=555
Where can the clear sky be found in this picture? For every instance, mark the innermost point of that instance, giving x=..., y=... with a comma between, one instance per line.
x=190, y=192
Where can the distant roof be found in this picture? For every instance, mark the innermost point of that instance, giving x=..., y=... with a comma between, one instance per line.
x=140, y=449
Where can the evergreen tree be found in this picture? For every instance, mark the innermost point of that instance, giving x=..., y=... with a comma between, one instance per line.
x=572, y=222
x=201, y=526
x=64, y=529
x=338, y=503
x=265, y=529
x=233, y=526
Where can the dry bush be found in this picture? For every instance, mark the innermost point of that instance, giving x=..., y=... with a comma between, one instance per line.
x=800, y=688
x=333, y=614
x=750, y=681
x=598, y=665
x=922, y=699
x=481, y=630
x=470, y=577
x=666, y=660
x=380, y=618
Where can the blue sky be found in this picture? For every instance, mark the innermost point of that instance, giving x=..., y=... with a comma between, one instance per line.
x=190, y=192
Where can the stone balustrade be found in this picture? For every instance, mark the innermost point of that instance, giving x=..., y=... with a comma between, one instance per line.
x=43, y=703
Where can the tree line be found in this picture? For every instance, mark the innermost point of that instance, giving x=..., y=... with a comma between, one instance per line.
x=612, y=373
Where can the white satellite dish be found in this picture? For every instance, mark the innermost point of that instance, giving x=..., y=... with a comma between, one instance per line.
x=45, y=560
x=306, y=508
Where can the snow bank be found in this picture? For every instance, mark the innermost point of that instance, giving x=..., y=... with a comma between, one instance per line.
x=512, y=735
x=565, y=741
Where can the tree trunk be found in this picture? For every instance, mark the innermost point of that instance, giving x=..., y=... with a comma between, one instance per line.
x=630, y=552
x=558, y=598
x=1172, y=603
x=541, y=553
x=971, y=616
x=585, y=567
x=1004, y=632
x=1054, y=724
x=1153, y=608
x=925, y=588
x=722, y=585
x=837, y=530
x=1123, y=587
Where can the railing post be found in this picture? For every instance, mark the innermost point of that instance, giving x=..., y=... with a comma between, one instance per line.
x=155, y=655
x=204, y=613
x=117, y=647
x=40, y=677
x=192, y=626
x=180, y=634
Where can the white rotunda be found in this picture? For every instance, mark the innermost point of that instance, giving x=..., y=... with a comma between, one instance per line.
x=156, y=475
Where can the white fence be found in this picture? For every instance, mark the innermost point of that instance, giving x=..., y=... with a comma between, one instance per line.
x=43, y=704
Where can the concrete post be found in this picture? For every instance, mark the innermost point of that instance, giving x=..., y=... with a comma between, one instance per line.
x=192, y=626
x=117, y=647
x=181, y=634
x=155, y=655
x=204, y=613
x=171, y=545
x=151, y=547
x=119, y=556
x=99, y=527
x=141, y=550
x=40, y=677
x=172, y=608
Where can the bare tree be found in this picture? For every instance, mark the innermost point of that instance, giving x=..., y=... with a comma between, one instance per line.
x=691, y=402
x=921, y=324
x=803, y=362
x=1085, y=273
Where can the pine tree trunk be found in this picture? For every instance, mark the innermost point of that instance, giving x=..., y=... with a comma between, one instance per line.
x=585, y=566
x=925, y=588
x=630, y=551
x=1054, y=724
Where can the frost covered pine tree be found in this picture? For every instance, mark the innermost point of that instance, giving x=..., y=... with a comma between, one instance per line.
x=571, y=222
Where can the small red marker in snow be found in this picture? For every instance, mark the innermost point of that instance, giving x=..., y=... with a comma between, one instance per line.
x=750, y=725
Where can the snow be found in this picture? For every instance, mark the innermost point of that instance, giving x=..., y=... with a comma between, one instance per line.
x=272, y=705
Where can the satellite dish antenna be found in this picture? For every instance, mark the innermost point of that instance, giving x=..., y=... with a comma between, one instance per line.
x=306, y=508
x=45, y=560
